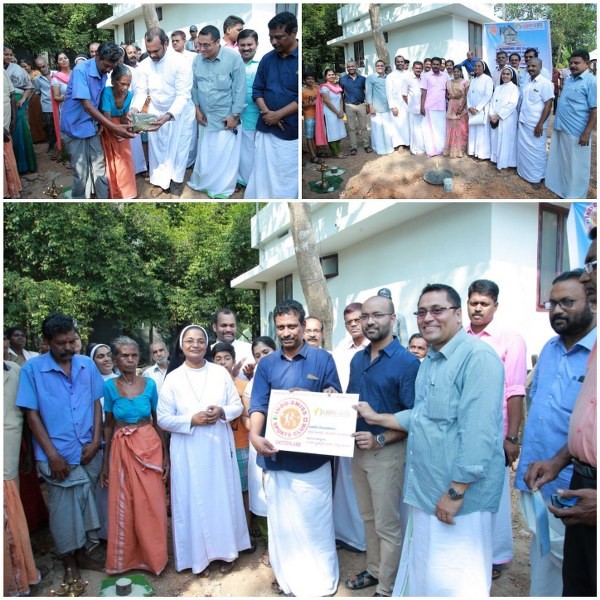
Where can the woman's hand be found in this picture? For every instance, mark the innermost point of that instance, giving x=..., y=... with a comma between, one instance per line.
x=104, y=475
x=166, y=467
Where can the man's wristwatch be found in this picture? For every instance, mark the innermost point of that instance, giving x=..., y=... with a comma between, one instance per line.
x=380, y=439
x=171, y=115
x=455, y=494
x=512, y=440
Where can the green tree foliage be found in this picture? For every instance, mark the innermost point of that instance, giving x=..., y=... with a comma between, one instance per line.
x=319, y=24
x=572, y=26
x=55, y=27
x=140, y=264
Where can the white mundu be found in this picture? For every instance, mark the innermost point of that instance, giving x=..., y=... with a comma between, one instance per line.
x=393, y=87
x=411, y=88
x=168, y=82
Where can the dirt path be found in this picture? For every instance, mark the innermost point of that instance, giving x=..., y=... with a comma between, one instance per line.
x=251, y=578
x=400, y=175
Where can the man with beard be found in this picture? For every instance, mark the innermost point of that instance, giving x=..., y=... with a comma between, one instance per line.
x=158, y=371
x=384, y=375
x=580, y=564
x=225, y=328
x=411, y=93
x=482, y=305
x=433, y=107
x=167, y=79
x=557, y=381
x=60, y=392
x=394, y=84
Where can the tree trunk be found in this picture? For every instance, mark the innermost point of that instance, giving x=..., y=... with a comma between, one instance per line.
x=310, y=270
x=150, y=16
x=380, y=47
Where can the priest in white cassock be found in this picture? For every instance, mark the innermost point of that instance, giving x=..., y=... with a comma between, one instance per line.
x=166, y=79
x=536, y=105
x=411, y=92
x=197, y=401
x=219, y=93
x=394, y=84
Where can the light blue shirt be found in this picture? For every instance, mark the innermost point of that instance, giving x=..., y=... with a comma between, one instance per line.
x=556, y=384
x=130, y=410
x=219, y=87
x=251, y=110
x=455, y=427
x=42, y=87
x=375, y=93
x=65, y=404
x=577, y=99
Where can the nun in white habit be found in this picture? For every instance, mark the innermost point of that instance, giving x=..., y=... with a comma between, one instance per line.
x=479, y=96
x=503, y=120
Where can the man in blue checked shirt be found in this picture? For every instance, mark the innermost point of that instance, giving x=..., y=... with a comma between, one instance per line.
x=558, y=378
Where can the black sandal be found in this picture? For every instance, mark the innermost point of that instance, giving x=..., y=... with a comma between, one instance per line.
x=361, y=581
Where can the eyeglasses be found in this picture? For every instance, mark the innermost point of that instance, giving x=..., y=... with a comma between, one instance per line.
x=194, y=342
x=590, y=267
x=436, y=311
x=375, y=316
x=564, y=303
x=205, y=46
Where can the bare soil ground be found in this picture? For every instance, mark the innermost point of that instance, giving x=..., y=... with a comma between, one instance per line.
x=252, y=578
x=400, y=176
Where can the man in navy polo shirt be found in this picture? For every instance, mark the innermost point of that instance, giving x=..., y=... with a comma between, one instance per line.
x=353, y=85
x=275, y=91
x=383, y=374
x=298, y=486
x=80, y=118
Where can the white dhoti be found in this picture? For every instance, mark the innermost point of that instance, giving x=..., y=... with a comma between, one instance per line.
x=400, y=126
x=531, y=154
x=217, y=162
x=137, y=153
x=568, y=172
x=381, y=133
x=301, y=536
x=256, y=492
x=434, y=127
x=417, y=137
x=169, y=146
x=545, y=571
x=275, y=172
x=348, y=524
x=480, y=140
x=446, y=560
x=502, y=539
x=246, y=156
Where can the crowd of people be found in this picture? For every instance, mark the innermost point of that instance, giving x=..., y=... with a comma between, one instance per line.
x=207, y=104
x=439, y=425
x=499, y=114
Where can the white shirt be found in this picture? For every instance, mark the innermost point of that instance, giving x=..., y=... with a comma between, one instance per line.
x=536, y=93
x=157, y=374
x=393, y=87
x=411, y=87
x=342, y=356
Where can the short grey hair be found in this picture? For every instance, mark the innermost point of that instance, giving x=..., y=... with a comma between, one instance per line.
x=122, y=340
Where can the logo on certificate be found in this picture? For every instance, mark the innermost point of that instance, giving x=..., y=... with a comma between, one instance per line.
x=290, y=418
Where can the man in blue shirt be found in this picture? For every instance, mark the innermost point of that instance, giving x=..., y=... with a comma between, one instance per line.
x=469, y=63
x=353, y=84
x=298, y=486
x=559, y=374
x=455, y=456
x=60, y=392
x=80, y=118
x=569, y=161
x=275, y=91
x=383, y=374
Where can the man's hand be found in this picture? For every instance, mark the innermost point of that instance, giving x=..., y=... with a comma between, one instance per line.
x=248, y=370
x=59, y=469
x=366, y=412
x=582, y=513
x=423, y=112
x=214, y=413
x=539, y=473
x=88, y=451
x=446, y=508
x=122, y=131
x=512, y=452
x=231, y=122
x=365, y=440
x=201, y=117
x=262, y=445
x=271, y=117
x=156, y=125
x=539, y=129
x=237, y=367
x=584, y=139
x=203, y=418
x=395, y=111
x=20, y=103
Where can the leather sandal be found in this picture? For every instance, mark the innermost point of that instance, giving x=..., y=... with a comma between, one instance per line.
x=361, y=581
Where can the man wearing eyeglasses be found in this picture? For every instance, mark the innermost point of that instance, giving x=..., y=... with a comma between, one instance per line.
x=219, y=93
x=558, y=378
x=383, y=374
x=580, y=564
x=482, y=305
x=455, y=459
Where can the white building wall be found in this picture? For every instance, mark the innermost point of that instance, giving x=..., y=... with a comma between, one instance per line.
x=454, y=244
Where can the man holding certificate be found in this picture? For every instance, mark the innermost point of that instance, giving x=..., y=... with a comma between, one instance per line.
x=383, y=374
x=297, y=485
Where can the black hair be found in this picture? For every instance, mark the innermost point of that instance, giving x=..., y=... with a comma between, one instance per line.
x=309, y=73
x=224, y=310
x=290, y=306
x=573, y=274
x=58, y=54
x=415, y=336
x=442, y=287
x=11, y=330
x=436, y=58
x=501, y=52
x=485, y=287
x=56, y=323
x=450, y=60
x=580, y=54
x=230, y=21
x=327, y=71
x=246, y=33
x=264, y=339
x=427, y=59
x=417, y=62
x=223, y=347
x=353, y=307
x=178, y=33
x=535, y=52
x=593, y=233
x=514, y=54
x=284, y=19
x=109, y=51
x=156, y=32
x=212, y=31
